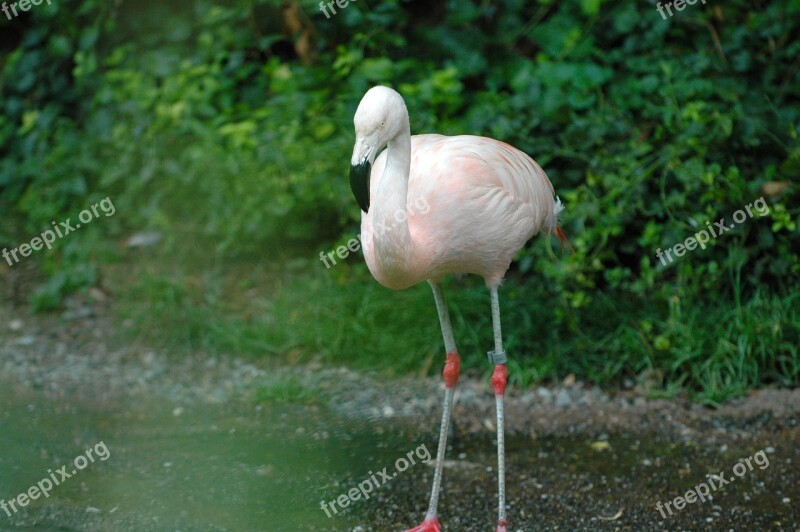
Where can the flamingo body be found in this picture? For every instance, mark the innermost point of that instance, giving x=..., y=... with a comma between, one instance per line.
x=483, y=199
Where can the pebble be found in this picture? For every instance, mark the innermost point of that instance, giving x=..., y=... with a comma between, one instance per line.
x=143, y=239
x=545, y=394
x=563, y=398
x=26, y=340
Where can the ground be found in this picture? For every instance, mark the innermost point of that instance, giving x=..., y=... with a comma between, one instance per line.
x=216, y=443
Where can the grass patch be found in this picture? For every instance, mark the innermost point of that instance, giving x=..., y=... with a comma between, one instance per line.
x=714, y=349
x=287, y=390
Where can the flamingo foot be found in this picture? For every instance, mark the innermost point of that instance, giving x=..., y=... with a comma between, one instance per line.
x=430, y=524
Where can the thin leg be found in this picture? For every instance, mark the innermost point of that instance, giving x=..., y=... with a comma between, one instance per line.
x=499, y=379
x=451, y=367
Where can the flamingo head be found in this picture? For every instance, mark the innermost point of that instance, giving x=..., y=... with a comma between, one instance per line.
x=380, y=118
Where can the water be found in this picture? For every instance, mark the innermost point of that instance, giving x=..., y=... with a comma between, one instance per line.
x=171, y=468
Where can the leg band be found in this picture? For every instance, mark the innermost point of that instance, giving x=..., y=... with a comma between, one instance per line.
x=451, y=368
x=497, y=357
x=499, y=379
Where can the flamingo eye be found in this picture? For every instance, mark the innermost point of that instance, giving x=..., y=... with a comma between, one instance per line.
x=383, y=123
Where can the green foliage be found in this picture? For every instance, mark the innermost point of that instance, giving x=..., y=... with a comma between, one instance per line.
x=287, y=390
x=203, y=121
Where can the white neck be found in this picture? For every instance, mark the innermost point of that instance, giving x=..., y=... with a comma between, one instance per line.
x=391, y=236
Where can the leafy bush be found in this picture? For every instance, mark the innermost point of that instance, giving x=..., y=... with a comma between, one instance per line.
x=229, y=124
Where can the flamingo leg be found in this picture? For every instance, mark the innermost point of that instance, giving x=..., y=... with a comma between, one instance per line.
x=451, y=367
x=499, y=379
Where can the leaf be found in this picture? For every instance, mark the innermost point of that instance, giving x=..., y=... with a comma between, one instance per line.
x=590, y=7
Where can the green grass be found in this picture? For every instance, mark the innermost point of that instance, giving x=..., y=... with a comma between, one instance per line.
x=287, y=390
x=298, y=311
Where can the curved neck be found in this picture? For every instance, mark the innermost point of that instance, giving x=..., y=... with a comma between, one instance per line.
x=390, y=219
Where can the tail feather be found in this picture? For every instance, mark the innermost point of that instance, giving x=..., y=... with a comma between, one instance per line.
x=558, y=207
x=562, y=237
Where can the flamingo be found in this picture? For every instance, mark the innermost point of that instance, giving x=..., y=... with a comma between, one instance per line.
x=486, y=200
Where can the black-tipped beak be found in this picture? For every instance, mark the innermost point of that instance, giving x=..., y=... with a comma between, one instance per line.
x=359, y=183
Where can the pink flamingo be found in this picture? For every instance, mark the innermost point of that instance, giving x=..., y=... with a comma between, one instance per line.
x=485, y=198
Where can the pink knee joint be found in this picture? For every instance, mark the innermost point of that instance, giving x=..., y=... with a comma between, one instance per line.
x=499, y=379
x=451, y=368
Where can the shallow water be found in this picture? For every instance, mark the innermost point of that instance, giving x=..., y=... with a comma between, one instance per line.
x=172, y=468
x=268, y=467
